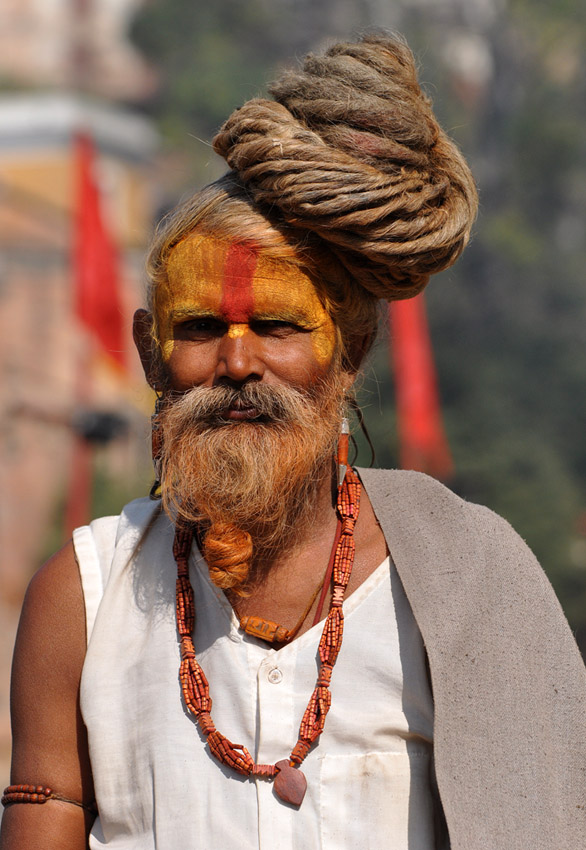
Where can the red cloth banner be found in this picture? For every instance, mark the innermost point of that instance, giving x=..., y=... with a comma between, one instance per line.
x=95, y=262
x=422, y=440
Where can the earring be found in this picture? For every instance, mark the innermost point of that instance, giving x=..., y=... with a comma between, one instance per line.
x=156, y=446
x=343, y=451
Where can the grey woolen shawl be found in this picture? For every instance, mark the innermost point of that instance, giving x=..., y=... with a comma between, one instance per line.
x=509, y=685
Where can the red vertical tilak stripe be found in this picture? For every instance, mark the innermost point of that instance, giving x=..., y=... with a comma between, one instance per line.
x=95, y=266
x=237, y=295
x=422, y=440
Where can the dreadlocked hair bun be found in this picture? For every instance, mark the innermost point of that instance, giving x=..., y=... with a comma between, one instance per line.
x=350, y=151
x=228, y=553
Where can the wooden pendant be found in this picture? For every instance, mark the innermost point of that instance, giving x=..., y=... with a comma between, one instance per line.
x=290, y=783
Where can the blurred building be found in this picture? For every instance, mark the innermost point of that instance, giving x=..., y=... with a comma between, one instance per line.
x=63, y=66
x=41, y=342
x=72, y=44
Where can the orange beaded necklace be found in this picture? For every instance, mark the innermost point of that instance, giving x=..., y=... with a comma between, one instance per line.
x=290, y=783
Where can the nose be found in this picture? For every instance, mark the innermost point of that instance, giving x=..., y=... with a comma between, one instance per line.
x=239, y=356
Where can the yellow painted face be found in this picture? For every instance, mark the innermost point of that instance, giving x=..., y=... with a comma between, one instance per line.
x=236, y=284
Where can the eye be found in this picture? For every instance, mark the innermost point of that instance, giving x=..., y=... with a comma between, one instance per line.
x=275, y=327
x=199, y=328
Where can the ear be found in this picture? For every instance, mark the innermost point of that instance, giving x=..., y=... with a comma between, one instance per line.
x=142, y=334
x=355, y=356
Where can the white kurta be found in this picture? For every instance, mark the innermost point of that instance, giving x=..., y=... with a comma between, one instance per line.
x=157, y=785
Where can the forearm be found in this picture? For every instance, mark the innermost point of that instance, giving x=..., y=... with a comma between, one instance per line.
x=51, y=826
x=48, y=733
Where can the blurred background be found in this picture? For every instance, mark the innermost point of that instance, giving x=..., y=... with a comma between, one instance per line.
x=107, y=108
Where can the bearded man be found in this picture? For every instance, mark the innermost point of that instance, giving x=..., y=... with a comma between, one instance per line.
x=452, y=712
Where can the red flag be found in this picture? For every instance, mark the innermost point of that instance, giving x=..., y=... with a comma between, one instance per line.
x=422, y=440
x=98, y=305
x=95, y=266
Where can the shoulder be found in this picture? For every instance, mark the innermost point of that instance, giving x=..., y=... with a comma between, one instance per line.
x=54, y=595
x=95, y=544
x=466, y=571
x=51, y=632
x=134, y=518
x=52, y=629
x=459, y=562
x=385, y=484
x=59, y=596
x=437, y=536
x=414, y=497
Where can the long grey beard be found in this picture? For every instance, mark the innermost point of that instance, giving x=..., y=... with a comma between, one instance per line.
x=263, y=476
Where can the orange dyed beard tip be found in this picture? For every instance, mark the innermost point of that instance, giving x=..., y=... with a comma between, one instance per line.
x=236, y=284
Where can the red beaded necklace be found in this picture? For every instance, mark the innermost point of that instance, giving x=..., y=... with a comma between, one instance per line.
x=290, y=783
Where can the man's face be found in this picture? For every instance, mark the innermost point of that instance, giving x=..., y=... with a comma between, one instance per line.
x=227, y=314
x=249, y=436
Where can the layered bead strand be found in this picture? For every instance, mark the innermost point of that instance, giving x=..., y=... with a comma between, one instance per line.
x=194, y=684
x=290, y=783
x=313, y=720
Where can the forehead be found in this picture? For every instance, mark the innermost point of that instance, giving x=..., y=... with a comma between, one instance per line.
x=233, y=280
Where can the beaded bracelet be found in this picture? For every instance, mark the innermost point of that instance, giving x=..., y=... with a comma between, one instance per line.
x=39, y=794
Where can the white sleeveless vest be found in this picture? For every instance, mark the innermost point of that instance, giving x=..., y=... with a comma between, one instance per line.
x=157, y=786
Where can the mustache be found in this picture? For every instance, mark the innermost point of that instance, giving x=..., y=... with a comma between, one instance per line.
x=209, y=405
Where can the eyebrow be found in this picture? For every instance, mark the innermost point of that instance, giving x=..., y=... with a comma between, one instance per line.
x=286, y=315
x=194, y=313
x=291, y=316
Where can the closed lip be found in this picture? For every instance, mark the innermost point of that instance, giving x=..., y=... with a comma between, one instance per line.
x=238, y=412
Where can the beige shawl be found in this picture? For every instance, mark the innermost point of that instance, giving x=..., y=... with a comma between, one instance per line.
x=509, y=684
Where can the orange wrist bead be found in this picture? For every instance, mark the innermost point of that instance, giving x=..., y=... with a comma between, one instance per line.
x=39, y=794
